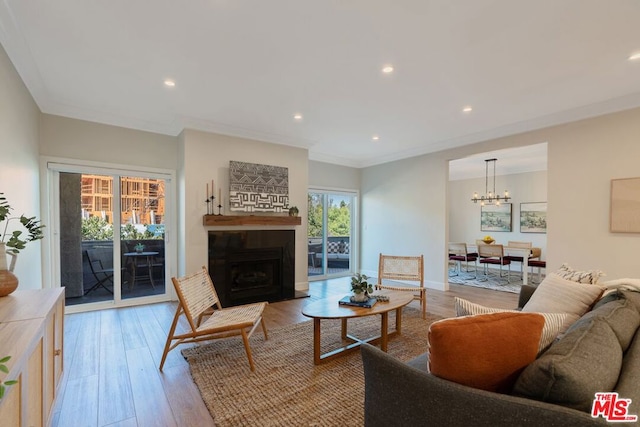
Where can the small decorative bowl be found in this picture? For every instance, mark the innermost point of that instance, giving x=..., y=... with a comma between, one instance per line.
x=488, y=241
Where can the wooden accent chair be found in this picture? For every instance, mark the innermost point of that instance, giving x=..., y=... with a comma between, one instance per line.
x=493, y=254
x=406, y=268
x=197, y=299
x=458, y=252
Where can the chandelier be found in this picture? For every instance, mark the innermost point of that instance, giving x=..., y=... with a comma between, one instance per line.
x=490, y=197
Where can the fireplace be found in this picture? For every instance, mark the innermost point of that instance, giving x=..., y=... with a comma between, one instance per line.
x=252, y=265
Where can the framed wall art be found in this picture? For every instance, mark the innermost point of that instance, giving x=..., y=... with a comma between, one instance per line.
x=258, y=188
x=625, y=205
x=495, y=217
x=533, y=217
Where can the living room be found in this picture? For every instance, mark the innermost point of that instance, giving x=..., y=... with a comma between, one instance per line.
x=404, y=203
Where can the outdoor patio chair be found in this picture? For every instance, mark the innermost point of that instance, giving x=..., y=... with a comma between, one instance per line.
x=198, y=299
x=404, y=268
x=101, y=265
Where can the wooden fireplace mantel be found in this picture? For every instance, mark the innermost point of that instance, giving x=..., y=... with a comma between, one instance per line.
x=250, y=220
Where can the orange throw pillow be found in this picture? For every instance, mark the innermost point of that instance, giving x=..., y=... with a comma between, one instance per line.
x=485, y=351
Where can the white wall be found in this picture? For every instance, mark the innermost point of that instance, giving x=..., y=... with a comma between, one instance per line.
x=326, y=175
x=464, y=215
x=19, y=164
x=207, y=157
x=583, y=158
x=405, y=205
x=403, y=213
x=79, y=139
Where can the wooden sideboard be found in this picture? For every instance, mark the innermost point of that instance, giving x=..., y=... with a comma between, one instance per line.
x=31, y=332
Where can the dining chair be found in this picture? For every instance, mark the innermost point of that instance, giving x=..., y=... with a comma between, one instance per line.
x=539, y=264
x=458, y=252
x=518, y=245
x=493, y=254
x=403, y=268
x=197, y=299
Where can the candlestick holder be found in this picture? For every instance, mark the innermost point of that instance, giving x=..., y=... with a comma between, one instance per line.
x=220, y=210
x=210, y=205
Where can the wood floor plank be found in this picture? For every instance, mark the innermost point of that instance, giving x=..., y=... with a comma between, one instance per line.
x=115, y=396
x=185, y=400
x=80, y=405
x=150, y=401
x=130, y=326
x=156, y=337
x=84, y=361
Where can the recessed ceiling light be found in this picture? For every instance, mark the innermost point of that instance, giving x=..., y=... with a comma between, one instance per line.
x=297, y=116
x=169, y=83
x=387, y=69
x=375, y=137
x=467, y=109
x=634, y=57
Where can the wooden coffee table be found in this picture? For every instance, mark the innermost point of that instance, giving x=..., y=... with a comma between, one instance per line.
x=329, y=308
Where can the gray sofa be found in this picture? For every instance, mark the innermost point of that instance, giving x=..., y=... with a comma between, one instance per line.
x=405, y=394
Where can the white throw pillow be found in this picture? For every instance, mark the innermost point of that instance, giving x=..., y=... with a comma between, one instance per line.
x=586, y=276
x=553, y=322
x=558, y=295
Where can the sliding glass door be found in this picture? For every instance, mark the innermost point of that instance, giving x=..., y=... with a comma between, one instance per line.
x=331, y=241
x=111, y=229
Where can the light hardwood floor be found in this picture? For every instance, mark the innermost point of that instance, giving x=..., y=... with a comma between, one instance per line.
x=111, y=359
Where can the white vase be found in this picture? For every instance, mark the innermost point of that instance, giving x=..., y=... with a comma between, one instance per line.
x=8, y=281
x=361, y=297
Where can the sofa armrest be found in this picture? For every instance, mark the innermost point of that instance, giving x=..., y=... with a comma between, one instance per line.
x=397, y=394
x=525, y=293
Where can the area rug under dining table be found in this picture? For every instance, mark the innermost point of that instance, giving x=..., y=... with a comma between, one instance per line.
x=491, y=281
x=287, y=389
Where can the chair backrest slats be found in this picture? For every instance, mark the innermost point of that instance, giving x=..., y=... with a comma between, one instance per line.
x=401, y=268
x=491, y=251
x=196, y=294
x=458, y=249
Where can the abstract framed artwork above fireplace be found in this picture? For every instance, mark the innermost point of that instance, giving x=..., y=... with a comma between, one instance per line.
x=252, y=265
x=255, y=187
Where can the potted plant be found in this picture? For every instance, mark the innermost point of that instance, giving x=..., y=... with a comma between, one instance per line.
x=12, y=242
x=360, y=287
x=139, y=247
x=16, y=242
x=293, y=211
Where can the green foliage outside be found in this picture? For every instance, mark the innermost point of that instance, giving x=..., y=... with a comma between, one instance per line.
x=339, y=217
x=96, y=228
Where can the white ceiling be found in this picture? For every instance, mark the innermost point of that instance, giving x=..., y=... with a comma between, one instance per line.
x=531, y=158
x=245, y=67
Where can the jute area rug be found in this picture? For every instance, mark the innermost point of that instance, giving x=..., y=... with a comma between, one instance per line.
x=287, y=389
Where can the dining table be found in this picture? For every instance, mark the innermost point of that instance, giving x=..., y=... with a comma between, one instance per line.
x=148, y=256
